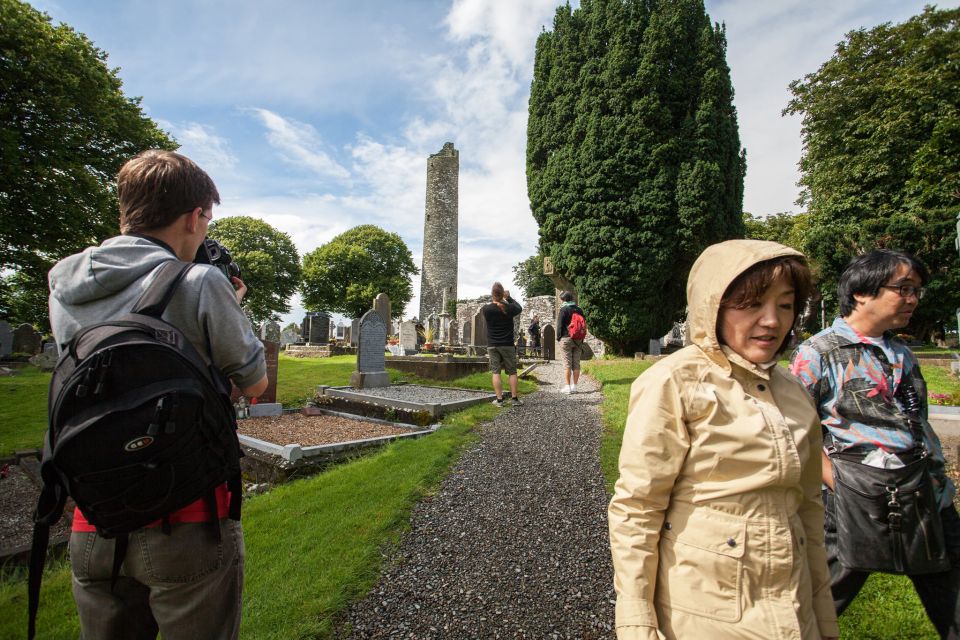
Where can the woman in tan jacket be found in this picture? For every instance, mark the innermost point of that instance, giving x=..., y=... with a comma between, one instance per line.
x=716, y=524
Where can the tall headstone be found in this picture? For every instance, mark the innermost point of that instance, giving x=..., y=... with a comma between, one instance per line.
x=270, y=331
x=440, y=231
x=478, y=330
x=408, y=336
x=381, y=305
x=318, y=331
x=6, y=339
x=371, y=364
x=354, y=331
x=271, y=352
x=467, y=336
x=26, y=340
x=548, y=341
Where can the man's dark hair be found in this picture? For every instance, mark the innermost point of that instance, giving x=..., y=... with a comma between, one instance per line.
x=868, y=272
x=156, y=187
x=566, y=296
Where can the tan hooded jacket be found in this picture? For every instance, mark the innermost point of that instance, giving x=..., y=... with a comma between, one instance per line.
x=716, y=524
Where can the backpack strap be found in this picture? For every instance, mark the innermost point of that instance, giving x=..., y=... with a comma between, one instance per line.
x=155, y=299
x=38, y=556
x=120, y=544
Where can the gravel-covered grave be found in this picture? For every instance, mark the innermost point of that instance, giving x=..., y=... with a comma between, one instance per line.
x=514, y=543
x=308, y=431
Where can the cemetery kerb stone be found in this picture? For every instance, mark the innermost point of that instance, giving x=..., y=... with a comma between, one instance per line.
x=26, y=340
x=408, y=336
x=6, y=339
x=548, y=341
x=382, y=306
x=371, y=365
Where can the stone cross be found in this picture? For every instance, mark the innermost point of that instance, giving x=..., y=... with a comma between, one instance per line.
x=382, y=306
x=371, y=363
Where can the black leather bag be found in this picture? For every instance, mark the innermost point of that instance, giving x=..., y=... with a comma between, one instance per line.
x=887, y=519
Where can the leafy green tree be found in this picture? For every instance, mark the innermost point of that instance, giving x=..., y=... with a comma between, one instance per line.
x=881, y=129
x=528, y=275
x=634, y=162
x=347, y=273
x=65, y=129
x=268, y=260
x=786, y=228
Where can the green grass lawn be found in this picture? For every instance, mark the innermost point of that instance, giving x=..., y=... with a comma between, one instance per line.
x=313, y=545
x=887, y=608
x=23, y=410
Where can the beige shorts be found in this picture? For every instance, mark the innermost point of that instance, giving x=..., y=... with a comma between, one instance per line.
x=570, y=353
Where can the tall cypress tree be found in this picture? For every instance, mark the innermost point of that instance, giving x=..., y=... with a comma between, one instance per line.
x=633, y=157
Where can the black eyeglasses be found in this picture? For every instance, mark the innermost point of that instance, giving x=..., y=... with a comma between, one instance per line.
x=906, y=290
x=209, y=218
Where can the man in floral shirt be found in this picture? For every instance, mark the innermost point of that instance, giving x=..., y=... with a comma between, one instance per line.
x=864, y=381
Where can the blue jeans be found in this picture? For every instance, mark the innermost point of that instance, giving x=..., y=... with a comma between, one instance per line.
x=185, y=585
x=937, y=591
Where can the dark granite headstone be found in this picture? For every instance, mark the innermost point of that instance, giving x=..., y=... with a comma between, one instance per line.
x=6, y=339
x=26, y=340
x=549, y=342
x=371, y=364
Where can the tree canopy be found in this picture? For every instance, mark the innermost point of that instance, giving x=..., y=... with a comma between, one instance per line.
x=634, y=162
x=881, y=129
x=786, y=228
x=65, y=129
x=269, y=263
x=528, y=275
x=347, y=273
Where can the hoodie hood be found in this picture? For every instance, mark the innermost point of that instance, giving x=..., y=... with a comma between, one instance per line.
x=716, y=268
x=99, y=272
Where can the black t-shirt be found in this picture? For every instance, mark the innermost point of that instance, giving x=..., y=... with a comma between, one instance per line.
x=500, y=324
x=563, y=319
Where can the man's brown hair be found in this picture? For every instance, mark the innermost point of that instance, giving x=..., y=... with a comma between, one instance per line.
x=156, y=187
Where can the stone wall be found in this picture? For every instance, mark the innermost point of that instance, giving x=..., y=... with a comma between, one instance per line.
x=440, y=231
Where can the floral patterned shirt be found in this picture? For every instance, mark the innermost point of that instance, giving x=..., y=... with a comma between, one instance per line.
x=857, y=383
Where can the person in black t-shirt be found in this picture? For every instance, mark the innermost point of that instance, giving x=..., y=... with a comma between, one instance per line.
x=534, y=331
x=499, y=315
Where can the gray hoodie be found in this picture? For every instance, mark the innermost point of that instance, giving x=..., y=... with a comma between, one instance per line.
x=104, y=283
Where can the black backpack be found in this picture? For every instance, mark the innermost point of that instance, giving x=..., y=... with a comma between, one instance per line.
x=139, y=427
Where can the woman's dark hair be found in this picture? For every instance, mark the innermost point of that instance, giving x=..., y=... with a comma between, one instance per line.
x=750, y=286
x=566, y=296
x=867, y=273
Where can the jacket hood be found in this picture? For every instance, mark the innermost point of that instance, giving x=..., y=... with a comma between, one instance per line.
x=102, y=271
x=711, y=274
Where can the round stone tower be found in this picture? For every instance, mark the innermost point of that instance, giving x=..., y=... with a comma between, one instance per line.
x=438, y=277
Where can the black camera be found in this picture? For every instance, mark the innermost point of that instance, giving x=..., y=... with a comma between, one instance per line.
x=214, y=253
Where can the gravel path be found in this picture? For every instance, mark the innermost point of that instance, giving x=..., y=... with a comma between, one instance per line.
x=514, y=544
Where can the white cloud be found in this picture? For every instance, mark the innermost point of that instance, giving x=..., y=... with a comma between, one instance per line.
x=300, y=145
x=200, y=143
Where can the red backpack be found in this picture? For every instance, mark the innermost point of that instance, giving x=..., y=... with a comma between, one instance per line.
x=577, y=327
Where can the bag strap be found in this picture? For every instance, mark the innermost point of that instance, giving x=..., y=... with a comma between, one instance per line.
x=155, y=299
x=38, y=557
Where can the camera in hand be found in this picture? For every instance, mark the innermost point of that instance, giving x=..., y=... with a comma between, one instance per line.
x=214, y=253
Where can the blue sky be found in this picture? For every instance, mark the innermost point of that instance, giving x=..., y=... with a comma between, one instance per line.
x=319, y=116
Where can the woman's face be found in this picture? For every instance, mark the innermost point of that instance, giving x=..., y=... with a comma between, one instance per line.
x=757, y=331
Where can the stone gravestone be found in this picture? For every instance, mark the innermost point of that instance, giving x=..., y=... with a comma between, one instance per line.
x=26, y=340
x=271, y=351
x=371, y=363
x=6, y=339
x=354, y=331
x=289, y=336
x=654, y=348
x=465, y=338
x=381, y=304
x=270, y=331
x=549, y=341
x=408, y=336
x=317, y=330
x=478, y=330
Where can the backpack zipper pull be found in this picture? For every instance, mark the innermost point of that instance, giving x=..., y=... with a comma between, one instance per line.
x=171, y=425
x=154, y=427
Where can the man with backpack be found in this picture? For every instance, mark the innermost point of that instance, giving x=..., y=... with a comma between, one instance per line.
x=572, y=331
x=181, y=575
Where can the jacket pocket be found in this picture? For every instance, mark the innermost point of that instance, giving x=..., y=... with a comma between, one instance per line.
x=701, y=566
